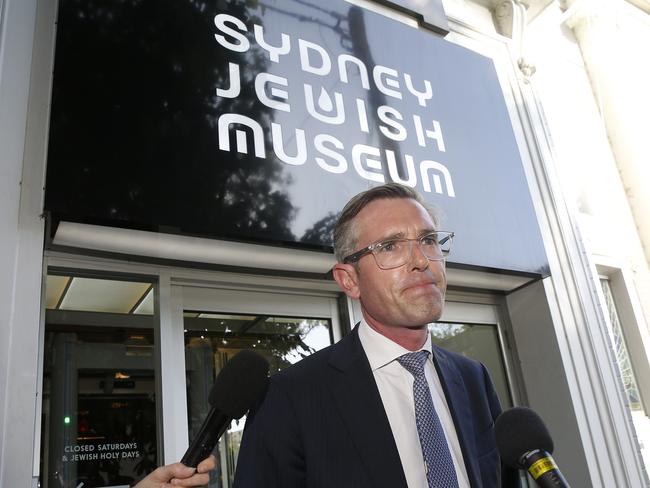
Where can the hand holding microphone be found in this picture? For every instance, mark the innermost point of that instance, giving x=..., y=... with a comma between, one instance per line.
x=177, y=474
x=241, y=382
x=524, y=443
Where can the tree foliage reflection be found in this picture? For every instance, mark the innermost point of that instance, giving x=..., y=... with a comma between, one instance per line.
x=133, y=138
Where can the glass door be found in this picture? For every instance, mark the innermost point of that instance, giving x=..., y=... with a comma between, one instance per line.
x=99, y=424
x=218, y=323
x=475, y=325
x=477, y=330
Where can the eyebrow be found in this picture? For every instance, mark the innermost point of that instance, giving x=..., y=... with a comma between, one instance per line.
x=402, y=235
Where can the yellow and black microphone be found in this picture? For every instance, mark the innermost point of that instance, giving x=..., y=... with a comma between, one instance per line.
x=525, y=443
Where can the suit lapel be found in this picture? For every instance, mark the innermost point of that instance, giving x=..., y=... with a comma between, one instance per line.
x=358, y=401
x=461, y=412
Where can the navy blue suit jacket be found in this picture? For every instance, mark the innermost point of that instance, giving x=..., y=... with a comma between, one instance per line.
x=322, y=424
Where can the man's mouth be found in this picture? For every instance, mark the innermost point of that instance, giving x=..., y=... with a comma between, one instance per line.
x=420, y=285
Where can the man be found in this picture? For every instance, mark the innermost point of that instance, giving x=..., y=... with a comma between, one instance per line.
x=382, y=407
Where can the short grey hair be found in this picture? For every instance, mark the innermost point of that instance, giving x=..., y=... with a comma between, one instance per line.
x=345, y=235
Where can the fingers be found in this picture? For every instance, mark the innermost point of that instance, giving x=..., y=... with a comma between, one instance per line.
x=160, y=476
x=201, y=477
x=176, y=470
x=208, y=464
x=177, y=474
x=196, y=480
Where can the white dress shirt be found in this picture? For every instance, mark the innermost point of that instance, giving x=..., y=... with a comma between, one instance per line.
x=395, y=385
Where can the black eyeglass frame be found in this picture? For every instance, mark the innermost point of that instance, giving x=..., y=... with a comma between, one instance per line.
x=354, y=257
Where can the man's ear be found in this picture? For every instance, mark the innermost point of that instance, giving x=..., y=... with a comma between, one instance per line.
x=347, y=277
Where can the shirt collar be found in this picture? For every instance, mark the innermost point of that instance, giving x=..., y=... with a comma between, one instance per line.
x=380, y=350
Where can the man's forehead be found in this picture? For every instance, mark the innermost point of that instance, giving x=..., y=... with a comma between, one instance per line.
x=392, y=217
x=392, y=202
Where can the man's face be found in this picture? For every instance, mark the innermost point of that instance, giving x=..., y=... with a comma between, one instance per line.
x=408, y=296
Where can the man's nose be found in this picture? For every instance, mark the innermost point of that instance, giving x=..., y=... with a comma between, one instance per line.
x=418, y=259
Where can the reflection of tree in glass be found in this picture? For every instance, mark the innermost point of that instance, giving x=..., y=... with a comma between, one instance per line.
x=444, y=330
x=322, y=232
x=288, y=344
x=281, y=340
x=289, y=341
x=133, y=122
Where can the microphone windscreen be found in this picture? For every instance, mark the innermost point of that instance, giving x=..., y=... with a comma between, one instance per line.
x=240, y=383
x=518, y=431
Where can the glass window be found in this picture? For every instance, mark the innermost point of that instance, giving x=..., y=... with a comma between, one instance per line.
x=212, y=338
x=99, y=404
x=640, y=419
x=479, y=342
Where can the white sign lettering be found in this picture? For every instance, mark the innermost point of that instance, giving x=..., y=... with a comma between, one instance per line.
x=329, y=106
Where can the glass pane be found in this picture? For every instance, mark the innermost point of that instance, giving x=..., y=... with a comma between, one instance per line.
x=479, y=342
x=640, y=419
x=212, y=338
x=620, y=351
x=99, y=405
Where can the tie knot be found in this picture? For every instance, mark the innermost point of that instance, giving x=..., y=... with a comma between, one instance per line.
x=414, y=362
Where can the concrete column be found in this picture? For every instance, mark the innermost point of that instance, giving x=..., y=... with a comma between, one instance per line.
x=614, y=36
x=21, y=249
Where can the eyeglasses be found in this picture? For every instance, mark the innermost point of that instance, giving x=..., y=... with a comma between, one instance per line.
x=393, y=253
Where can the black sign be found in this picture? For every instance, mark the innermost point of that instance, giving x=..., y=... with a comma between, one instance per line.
x=430, y=13
x=257, y=121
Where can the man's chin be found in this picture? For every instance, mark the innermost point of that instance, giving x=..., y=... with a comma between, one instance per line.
x=417, y=327
x=421, y=320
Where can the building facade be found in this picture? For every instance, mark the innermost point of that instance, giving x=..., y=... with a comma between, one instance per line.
x=171, y=172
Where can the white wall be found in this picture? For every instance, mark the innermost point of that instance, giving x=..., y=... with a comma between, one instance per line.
x=614, y=37
x=20, y=249
x=594, y=85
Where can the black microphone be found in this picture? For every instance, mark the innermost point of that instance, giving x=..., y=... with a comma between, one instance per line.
x=524, y=443
x=241, y=382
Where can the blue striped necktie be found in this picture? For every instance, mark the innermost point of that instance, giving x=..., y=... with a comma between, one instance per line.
x=437, y=459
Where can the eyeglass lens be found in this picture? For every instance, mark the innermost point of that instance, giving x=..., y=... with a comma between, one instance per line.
x=397, y=252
